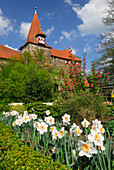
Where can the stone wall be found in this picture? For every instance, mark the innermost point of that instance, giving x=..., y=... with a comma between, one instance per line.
x=54, y=61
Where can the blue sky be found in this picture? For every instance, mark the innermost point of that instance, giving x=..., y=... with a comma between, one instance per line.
x=74, y=23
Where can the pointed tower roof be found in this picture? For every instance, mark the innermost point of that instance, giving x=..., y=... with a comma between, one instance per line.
x=34, y=29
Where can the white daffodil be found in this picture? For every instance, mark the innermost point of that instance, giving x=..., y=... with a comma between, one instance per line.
x=74, y=154
x=101, y=147
x=78, y=131
x=95, y=137
x=7, y=114
x=86, y=149
x=52, y=128
x=20, y=116
x=61, y=133
x=34, y=116
x=13, y=123
x=54, y=134
x=40, y=120
x=42, y=127
x=101, y=129
x=14, y=113
x=95, y=124
x=54, y=150
x=49, y=120
x=26, y=119
x=85, y=123
x=73, y=128
x=47, y=112
x=25, y=113
x=66, y=123
x=35, y=124
x=66, y=118
x=19, y=122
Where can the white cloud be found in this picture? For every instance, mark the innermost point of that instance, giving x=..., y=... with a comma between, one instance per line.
x=69, y=2
x=70, y=35
x=11, y=47
x=87, y=48
x=49, y=31
x=62, y=37
x=5, y=24
x=91, y=15
x=24, y=29
x=55, y=42
x=74, y=51
x=50, y=14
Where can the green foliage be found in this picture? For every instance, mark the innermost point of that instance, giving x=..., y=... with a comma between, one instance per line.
x=40, y=109
x=82, y=105
x=19, y=108
x=14, y=155
x=110, y=126
x=25, y=82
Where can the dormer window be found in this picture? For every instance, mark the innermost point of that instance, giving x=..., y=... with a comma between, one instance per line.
x=41, y=40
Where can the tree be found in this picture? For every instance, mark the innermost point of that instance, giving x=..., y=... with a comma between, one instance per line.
x=106, y=46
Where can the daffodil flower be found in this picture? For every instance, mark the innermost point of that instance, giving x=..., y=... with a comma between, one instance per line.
x=95, y=137
x=86, y=149
x=85, y=123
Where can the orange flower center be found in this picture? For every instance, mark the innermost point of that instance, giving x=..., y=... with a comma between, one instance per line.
x=55, y=134
x=19, y=121
x=85, y=123
x=62, y=132
x=85, y=147
x=101, y=130
x=35, y=124
x=42, y=127
x=54, y=150
x=34, y=116
x=52, y=128
x=26, y=118
x=78, y=131
x=50, y=120
x=66, y=118
x=97, y=137
x=99, y=147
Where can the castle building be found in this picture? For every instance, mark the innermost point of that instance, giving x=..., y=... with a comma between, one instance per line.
x=36, y=40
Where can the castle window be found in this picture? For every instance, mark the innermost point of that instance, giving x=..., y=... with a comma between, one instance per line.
x=66, y=61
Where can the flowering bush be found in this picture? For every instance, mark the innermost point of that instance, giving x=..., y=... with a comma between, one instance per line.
x=77, y=78
x=69, y=144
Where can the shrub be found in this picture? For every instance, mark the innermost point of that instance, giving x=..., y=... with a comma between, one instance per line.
x=14, y=155
x=39, y=108
x=18, y=108
x=82, y=105
x=25, y=83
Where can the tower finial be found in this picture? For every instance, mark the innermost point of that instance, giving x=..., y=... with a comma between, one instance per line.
x=35, y=10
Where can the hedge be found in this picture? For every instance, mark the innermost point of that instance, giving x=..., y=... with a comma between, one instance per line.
x=15, y=155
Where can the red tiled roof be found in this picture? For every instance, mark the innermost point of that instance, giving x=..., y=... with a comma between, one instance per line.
x=63, y=54
x=8, y=53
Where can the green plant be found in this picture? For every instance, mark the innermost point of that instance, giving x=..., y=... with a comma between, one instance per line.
x=39, y=108
x=84, y=105
x=109, y=126
x=19, y=108
x=15, y=155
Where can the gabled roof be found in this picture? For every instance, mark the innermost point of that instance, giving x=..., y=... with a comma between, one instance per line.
x=8, y=53
x=66, y=54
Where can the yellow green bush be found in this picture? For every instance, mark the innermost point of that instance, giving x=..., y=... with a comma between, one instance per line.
x=15, y=155
x=18, y=108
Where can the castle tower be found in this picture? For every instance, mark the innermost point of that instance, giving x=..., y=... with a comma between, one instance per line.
x=36, y=38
